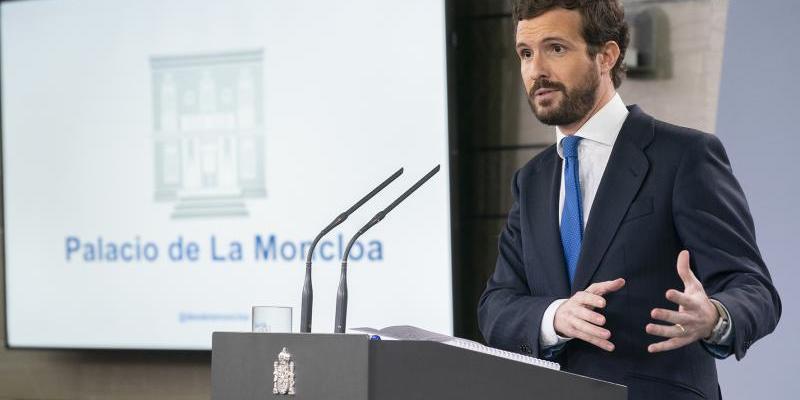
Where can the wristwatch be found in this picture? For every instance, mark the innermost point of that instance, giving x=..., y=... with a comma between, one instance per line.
x=722, y=324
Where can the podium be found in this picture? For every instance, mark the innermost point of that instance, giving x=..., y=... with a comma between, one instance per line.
x=352, y=367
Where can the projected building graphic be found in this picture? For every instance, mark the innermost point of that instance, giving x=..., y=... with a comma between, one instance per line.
x=208, y=132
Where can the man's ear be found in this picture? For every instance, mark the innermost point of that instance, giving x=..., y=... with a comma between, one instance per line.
x=608, y=56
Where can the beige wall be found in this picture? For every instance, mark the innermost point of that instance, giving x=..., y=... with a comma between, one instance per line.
x=689, y=97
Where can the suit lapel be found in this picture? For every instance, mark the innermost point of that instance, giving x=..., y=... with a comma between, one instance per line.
x=624, y=174
x=544, y=223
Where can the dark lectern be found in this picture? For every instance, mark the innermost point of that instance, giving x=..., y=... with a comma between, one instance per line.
x=352, y=367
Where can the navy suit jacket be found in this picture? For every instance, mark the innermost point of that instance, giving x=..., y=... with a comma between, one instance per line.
x=665, y=188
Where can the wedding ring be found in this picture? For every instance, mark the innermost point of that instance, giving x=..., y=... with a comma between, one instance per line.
x=683, y=330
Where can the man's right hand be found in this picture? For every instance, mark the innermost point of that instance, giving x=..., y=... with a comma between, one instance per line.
x=575, y=317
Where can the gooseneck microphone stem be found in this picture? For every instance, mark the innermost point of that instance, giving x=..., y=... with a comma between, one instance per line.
x=341, y=293
x=308, y=291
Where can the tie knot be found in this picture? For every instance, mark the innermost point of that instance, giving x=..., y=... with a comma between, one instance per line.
x=570, y=145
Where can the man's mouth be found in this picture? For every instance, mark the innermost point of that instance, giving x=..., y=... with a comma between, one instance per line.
x=543, y=92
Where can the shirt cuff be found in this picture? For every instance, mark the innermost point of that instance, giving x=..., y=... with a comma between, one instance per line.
x=547, y=332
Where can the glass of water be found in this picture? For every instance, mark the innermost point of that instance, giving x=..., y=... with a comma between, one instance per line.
x=272, y=319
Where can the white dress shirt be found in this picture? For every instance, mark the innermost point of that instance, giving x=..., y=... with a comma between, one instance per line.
x=599, y=134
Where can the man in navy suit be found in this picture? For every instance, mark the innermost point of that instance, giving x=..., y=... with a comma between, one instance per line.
x=629, y=254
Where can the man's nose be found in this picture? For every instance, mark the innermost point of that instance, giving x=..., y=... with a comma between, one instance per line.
x=538, y=69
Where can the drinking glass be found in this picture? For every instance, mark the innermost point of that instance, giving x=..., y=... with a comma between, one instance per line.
x=272, y=319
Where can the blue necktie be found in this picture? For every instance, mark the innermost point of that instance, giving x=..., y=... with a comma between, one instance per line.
x=572, y=213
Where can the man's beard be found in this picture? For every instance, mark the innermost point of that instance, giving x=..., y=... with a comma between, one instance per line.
x=575, y=104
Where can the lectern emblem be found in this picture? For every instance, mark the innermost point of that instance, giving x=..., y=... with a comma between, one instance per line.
x=283, y=374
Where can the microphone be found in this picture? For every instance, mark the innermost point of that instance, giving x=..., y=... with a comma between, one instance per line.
x=341, y=294
x=308, y=291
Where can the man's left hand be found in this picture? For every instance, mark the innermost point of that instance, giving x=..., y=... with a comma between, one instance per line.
x=696, y=315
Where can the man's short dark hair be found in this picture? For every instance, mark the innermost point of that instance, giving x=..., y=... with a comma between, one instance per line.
x=603, y=21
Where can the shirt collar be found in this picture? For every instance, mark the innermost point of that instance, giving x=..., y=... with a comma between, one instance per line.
x=603, y=127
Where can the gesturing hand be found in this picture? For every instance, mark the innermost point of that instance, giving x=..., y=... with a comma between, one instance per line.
x=575, y=317
x=696, y=315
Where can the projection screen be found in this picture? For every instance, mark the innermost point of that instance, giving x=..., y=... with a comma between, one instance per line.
x=165, y=164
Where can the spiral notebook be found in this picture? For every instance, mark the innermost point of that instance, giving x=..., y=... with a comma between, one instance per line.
x=406, y=332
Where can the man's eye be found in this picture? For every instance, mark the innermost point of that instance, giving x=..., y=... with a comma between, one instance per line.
x=525, y=54
x=558, y=48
